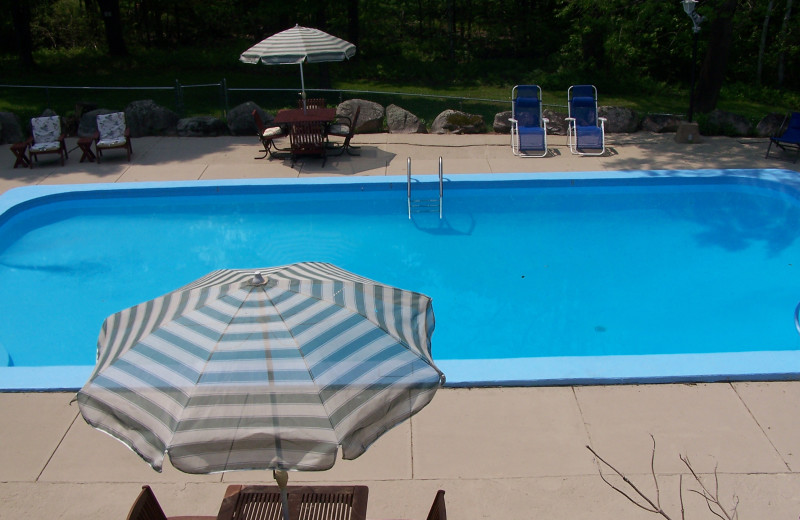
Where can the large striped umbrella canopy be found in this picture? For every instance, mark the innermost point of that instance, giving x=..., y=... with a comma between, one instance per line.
x=273, y=370
x=296, y=45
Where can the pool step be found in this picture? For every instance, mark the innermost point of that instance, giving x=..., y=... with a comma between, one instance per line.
x=425, y=205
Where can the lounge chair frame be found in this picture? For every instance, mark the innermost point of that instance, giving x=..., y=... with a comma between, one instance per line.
x=531, y=97
x=789, y=139
x=582, y=92
x=146, y=507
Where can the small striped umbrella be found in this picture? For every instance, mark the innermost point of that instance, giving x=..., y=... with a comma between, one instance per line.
x=296, y=45
x=273, y=370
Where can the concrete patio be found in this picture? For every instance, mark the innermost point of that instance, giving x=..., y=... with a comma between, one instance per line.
x=512, y=453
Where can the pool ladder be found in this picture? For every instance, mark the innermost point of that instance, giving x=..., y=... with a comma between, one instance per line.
x=429, y=205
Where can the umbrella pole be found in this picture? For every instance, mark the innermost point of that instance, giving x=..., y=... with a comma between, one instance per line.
x=302, y=87
x=282, y=478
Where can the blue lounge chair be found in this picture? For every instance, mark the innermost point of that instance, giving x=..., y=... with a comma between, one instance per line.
x=528, y=127
x=586, y=133
x=790, y=138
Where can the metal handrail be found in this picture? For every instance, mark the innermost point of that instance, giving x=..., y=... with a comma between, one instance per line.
x=420, y=203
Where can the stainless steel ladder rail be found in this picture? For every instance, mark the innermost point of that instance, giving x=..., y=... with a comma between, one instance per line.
x=797, y=318
x=425, y=204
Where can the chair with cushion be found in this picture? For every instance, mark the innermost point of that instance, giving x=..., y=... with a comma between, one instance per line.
x=267, y=135
x=528, y=127
x=46, y=137
x=146, y=507
x=112, y=132
x=790, y=138
x=586, y=131
x=344, y=127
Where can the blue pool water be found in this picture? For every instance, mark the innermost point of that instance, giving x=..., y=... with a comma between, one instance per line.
x=669, y=275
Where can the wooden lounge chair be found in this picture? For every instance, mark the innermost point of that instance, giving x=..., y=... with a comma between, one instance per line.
x=46, y=137
x=307, y=138
x=790, y=138
x=345, y=127
x=146, y=507
x=112, y=132
x=267, y=135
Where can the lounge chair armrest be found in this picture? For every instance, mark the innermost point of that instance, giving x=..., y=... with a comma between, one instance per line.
x=29, y=141
x=96, y=136
x=127, y=133
x=604, y=119
x=545, y=120
x=569, y=119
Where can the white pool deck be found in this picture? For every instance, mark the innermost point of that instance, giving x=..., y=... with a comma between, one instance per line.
x=510, y=453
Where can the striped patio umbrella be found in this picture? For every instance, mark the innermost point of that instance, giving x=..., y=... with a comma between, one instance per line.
x=296, y=45
x=273, y=370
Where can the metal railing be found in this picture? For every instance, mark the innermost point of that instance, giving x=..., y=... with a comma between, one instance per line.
x=430, y=205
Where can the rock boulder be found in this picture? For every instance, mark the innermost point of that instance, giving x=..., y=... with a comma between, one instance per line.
x=456, y=122
x=401, y=121
x=661, y=123
x=201, y=126
x=720, y=122
x=620, y=120
x=501, y=123
x=240, y=119
x=145, y=117
x=370, y=119
x=10, y=129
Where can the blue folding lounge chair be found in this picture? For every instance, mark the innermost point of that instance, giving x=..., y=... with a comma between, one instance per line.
x=790, y=138
x=528, y=127
x=586, y=133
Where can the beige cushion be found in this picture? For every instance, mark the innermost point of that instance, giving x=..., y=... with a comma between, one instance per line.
x=272, y=132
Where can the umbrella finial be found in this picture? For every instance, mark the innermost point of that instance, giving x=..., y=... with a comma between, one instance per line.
x=258, y=279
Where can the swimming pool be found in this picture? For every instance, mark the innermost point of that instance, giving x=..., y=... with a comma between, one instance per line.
x=536, y=279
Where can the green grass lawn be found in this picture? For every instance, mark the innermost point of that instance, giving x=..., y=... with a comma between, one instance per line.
x=153, y=74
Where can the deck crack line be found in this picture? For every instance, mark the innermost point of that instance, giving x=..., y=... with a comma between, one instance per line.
x=580, y=412
x=60, y=441
x=760, y=427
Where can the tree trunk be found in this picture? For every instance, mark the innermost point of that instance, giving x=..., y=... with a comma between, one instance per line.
x=782, y=40
x=352, y=22
x=712, y=73
x=109, y=12
x=763, y=43
x=21, y=15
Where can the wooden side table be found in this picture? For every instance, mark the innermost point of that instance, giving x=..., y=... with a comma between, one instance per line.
x=19, y=152
x=85, y=144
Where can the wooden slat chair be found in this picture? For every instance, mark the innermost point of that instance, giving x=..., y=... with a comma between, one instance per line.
x=267, y=135
x=46, y=137
x=146, y=507
x=112, y=132
x=312, y=103
x=307, y=138
x=345, y=127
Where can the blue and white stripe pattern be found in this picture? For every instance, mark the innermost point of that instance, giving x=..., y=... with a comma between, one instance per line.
x=233, y=372
x=298, y=44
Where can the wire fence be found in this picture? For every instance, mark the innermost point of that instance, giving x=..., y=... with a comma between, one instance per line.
x=218, y=98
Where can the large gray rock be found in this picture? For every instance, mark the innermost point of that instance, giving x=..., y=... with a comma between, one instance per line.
x=240, y=119
x=145, y=117
x=88, y=123
x=661, y=123
x=556, y=122
x=457, y=122
x=370, y=119
x=501, y=123
x=620, y=120
x=401, y=121
x=10, y=129
x=201, y=126
x=770, y=125
x=720, y=122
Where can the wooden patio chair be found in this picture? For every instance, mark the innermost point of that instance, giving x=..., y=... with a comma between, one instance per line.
x=267, y=135
x=146, y=507
x=112, y=132
x=345, y=127
x=312, y=103
x=46, y=137
x=308, y=138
